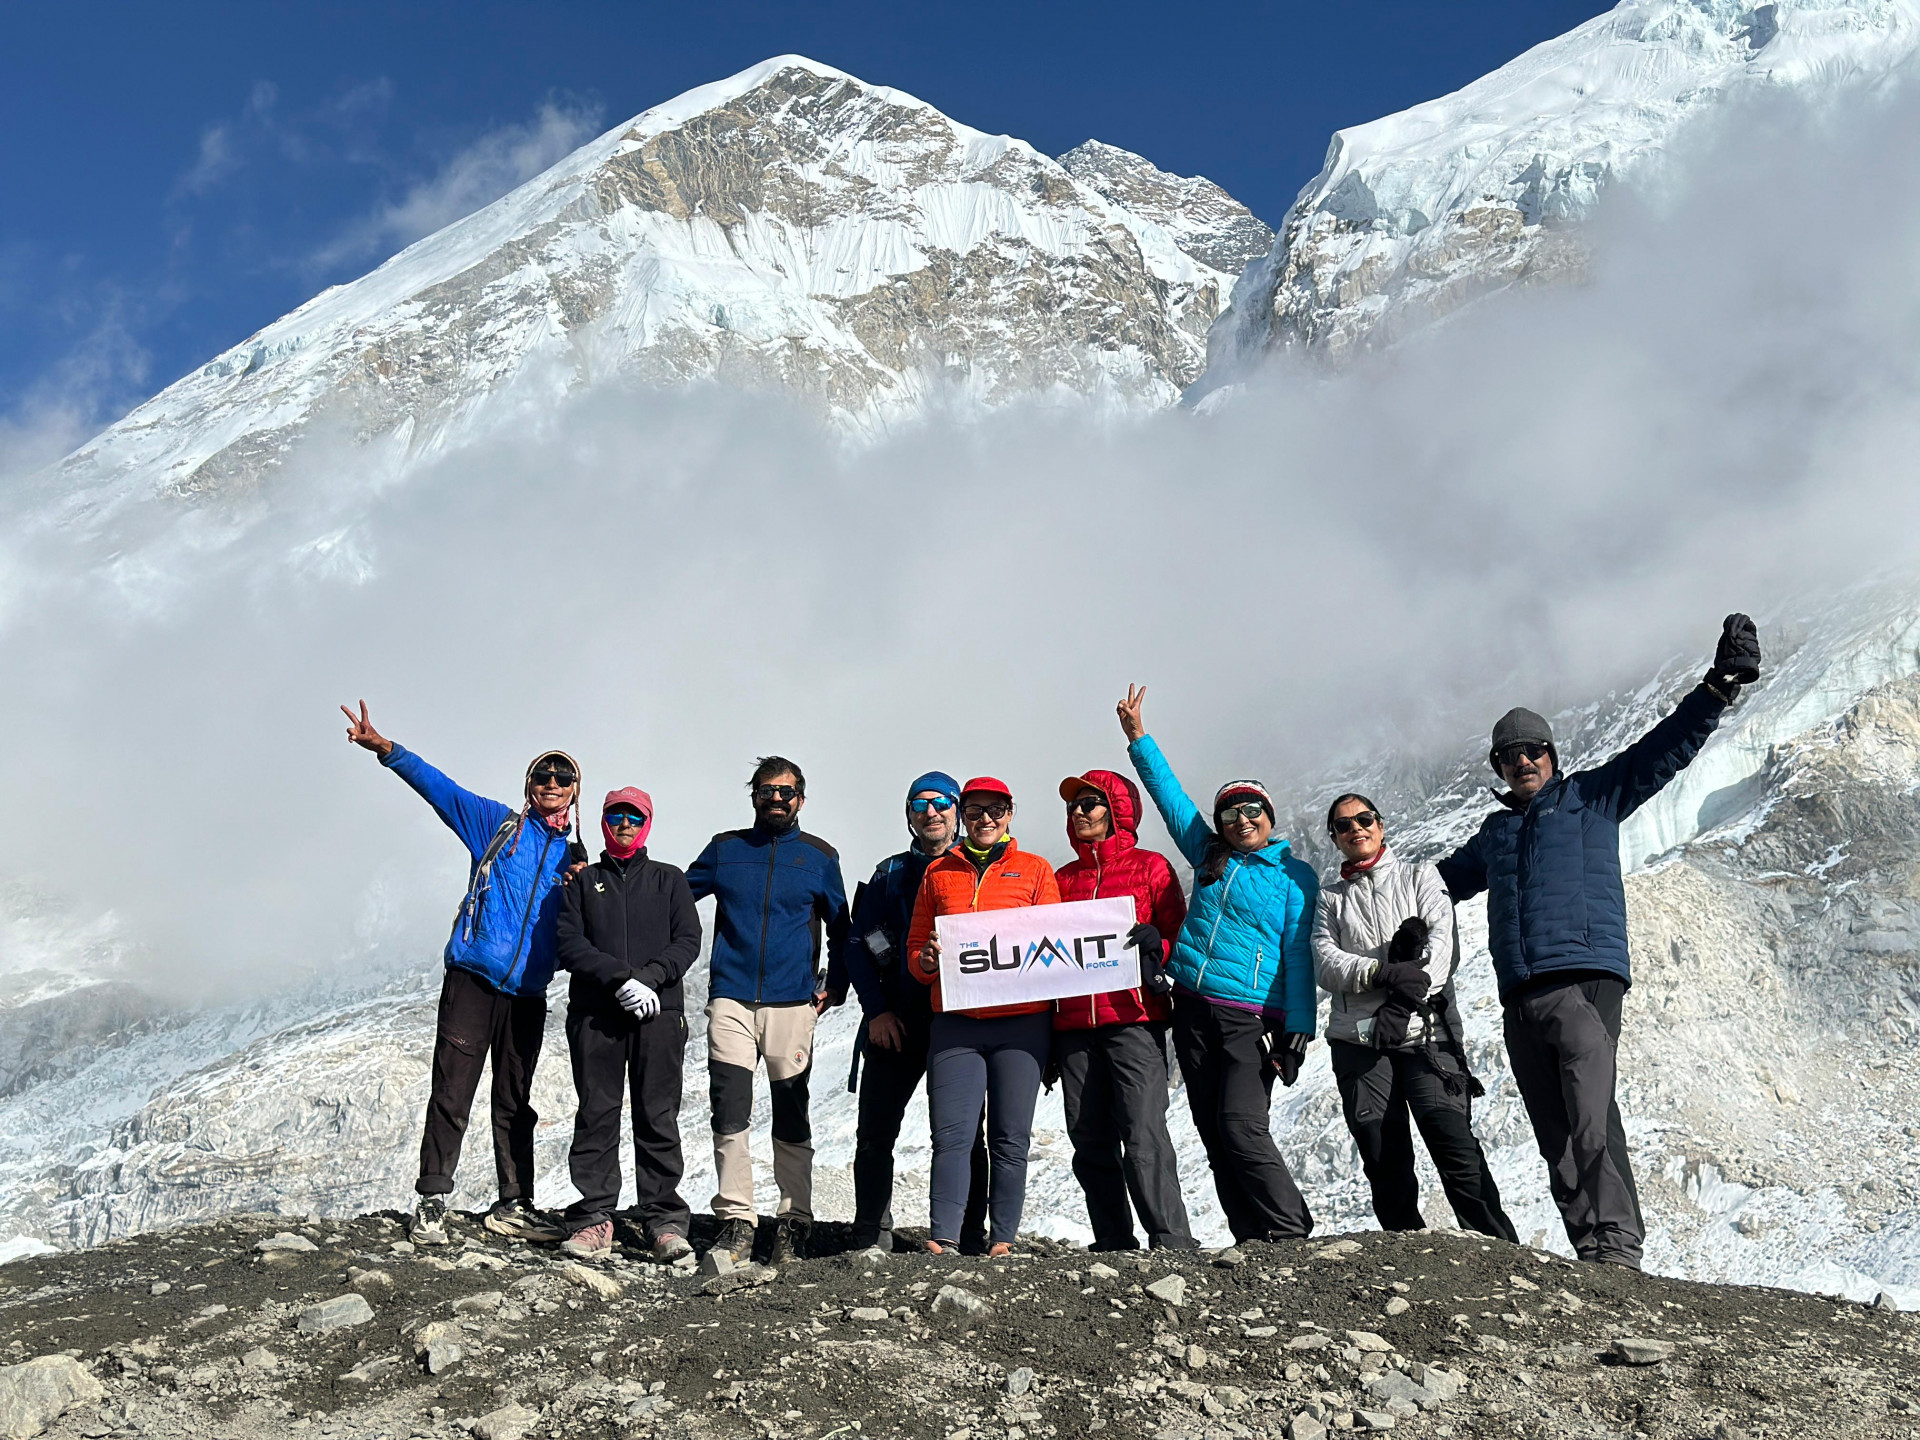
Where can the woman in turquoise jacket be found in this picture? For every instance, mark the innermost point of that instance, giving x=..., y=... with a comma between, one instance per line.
x=1241, y=973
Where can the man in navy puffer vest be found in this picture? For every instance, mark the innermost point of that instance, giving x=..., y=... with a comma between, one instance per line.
x=1549, y=861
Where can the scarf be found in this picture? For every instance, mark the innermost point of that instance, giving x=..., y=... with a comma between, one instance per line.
x=639, y=800
x=1351, y=868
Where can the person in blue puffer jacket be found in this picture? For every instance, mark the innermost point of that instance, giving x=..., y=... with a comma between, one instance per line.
x=499, y=960
x=1549, y=862
x=1241, y=973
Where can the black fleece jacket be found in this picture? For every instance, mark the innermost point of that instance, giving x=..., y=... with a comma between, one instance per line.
x=628, y=920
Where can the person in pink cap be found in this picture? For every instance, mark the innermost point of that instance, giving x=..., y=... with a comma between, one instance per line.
x=628, y=932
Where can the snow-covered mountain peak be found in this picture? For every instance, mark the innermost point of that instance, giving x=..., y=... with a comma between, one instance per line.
x=790, y=227
x=1205, y=221
x=1415, y=214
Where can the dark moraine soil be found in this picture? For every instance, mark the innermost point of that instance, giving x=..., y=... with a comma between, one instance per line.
x=1429, y=1334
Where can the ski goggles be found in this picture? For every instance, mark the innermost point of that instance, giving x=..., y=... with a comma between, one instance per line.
x=624, y=816
x=939, y=803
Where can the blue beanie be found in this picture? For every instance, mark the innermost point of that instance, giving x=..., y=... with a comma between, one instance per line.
x=937, y=780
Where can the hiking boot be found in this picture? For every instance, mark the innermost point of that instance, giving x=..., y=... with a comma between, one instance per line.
x=428, y=1223
x=791, y=1240
x=518, y=1220
x=594, y=1242
x=669, y=1247
x=736, y=1239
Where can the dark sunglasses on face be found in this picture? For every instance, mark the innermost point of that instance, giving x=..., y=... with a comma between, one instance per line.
x=1347, y=824
x=998, y=810
x=1087, y=804
x=775, y=792
x=562, y=778
x=1246, y=810
x=617, y=818
x=1514, y=754
x=934, y=802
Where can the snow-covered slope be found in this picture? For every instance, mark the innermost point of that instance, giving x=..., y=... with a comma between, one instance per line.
x=790, y=228
x=1416, y=214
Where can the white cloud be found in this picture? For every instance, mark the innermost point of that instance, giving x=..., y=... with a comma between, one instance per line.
x=476, y=176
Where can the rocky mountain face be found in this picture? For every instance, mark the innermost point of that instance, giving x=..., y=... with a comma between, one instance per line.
x=1419, y=213
x=791, y=229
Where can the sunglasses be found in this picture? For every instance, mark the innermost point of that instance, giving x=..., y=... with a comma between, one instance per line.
x=617, y=818
x=1246, y=810
x=554, y=777
x=775, y=792
x=998, y=810
x=1514, y=754
x=1347, y=824
x=939, y=803
x=1087, y=804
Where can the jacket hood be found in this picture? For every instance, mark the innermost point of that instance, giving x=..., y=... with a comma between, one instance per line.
x=1123, y=804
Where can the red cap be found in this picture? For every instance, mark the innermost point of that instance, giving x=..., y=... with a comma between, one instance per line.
x=985, y=785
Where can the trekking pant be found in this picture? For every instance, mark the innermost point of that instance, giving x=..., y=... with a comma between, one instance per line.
x=613, y=1056
x=887, y=1082
x=739, y=1035
x=1115, y=1080
x=1379, y=1089
x=1561, y=1043
x=1229, y=1086
x=478, y=1023
x=996, y=1062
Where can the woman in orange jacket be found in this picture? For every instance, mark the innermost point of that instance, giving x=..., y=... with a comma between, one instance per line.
x=992, y=1056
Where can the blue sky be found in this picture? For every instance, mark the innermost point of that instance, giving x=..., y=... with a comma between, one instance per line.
x=177, y=176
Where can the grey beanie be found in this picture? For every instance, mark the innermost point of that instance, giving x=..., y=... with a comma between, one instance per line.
x=1521, y=727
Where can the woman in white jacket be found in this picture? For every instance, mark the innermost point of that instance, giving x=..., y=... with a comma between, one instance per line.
x=1380, y=930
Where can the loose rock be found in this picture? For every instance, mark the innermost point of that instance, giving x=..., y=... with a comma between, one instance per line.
x=1397, y=1305
x=1169, y=1288
x=335, y=1314
x=951, y=1299
x=34, y=1395
x=284, y=1244
x=1642, y=1352
x=605, y=1286
x=510, y=1422
x=1020, y=1381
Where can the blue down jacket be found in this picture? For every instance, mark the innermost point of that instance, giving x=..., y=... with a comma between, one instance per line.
x=776, y=891
x=1551, y=870
x=509, y=940
x=1248, y=939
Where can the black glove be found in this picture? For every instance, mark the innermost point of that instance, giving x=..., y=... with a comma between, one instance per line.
x=1050, y=1076
x=1153, y=951
x=1390, y=1023
x=1409, y=943
x=1736, y=659
x=1288, y=1051
x=1404, y=982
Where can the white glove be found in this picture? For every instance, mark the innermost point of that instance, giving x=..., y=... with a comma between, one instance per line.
x=640, y=1001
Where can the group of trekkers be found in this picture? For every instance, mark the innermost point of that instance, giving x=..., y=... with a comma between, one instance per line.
x=1228, y=969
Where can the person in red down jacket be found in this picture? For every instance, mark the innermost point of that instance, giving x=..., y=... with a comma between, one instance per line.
x=1111, y=1048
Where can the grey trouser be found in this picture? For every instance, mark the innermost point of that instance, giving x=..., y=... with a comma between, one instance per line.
x=739, y=1036
x=1561, y=1041
x=996, y=1063
x=1115, y=1082
x=1381, y=1090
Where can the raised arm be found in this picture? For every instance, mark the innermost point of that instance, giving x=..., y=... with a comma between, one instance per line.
x=1638, y=773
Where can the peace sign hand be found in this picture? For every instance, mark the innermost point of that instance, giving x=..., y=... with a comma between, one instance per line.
x=360, y=732
x=1131, y=725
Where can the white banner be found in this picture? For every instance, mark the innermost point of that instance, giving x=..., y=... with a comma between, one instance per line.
x=1039, y=952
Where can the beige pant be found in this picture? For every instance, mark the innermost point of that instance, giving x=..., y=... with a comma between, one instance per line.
x=739, y=1037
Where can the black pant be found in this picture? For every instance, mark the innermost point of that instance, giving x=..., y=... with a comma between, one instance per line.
x=477, y=1022
x=1379, y=1089
x=613, y=1056
x=1561, y=1041
x=1115, y=1083
x=975, y=1063
x=1228, y=1088
x=887, y=1082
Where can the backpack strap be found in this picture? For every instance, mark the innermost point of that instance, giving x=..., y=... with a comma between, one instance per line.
x=469, y=916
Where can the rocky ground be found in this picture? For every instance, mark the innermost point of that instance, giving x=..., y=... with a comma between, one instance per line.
x=248, y=1328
